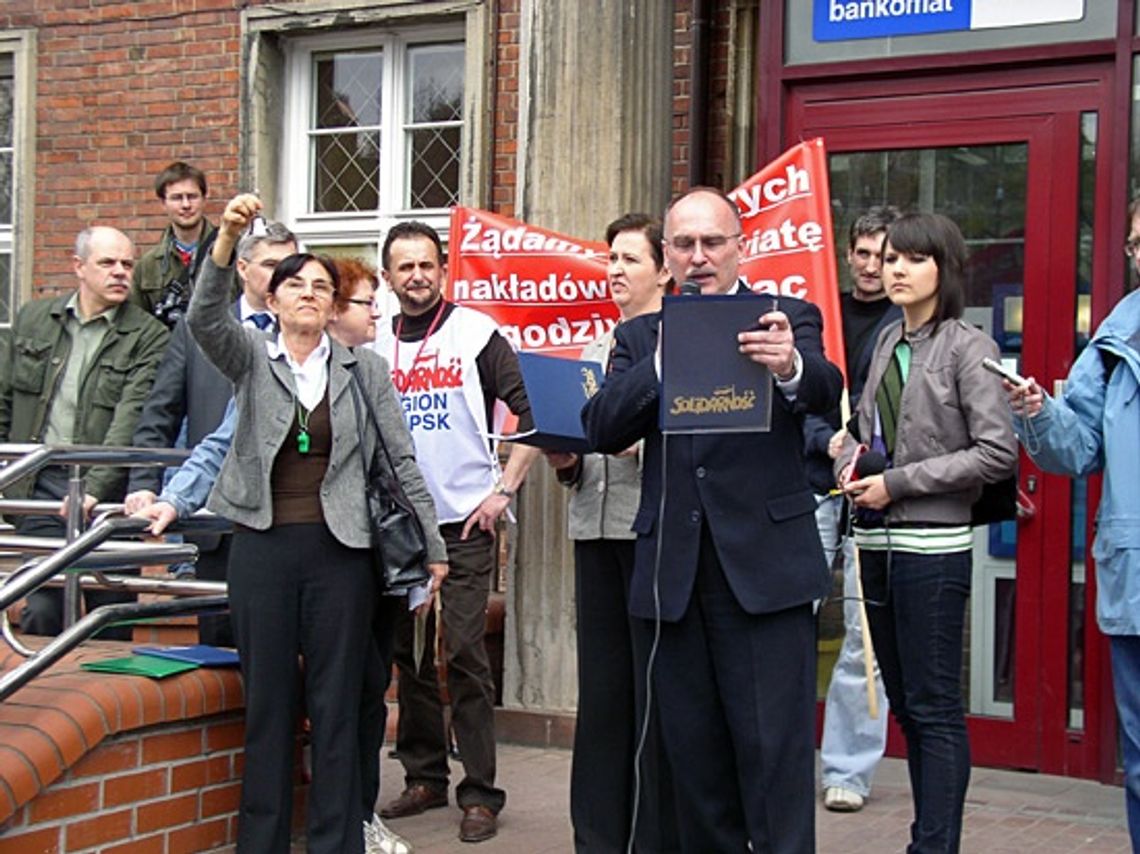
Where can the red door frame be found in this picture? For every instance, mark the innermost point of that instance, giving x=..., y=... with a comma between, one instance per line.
x=1042, y=108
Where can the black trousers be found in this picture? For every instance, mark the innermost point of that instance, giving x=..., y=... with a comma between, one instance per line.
x=212, y=565
x=421, y=738
x=296, y=591
x=374, y=708
x=613, y=652
x=737, y=703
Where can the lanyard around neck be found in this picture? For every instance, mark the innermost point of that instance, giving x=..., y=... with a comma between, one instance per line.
x=396, y=347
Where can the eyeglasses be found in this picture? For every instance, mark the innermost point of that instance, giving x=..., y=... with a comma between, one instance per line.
x=180, y=198
x=321, y=288
x=711, y=243
x=1132, y=248
x=367, y=302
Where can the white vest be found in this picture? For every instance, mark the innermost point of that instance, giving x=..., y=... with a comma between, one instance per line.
x=443, y=404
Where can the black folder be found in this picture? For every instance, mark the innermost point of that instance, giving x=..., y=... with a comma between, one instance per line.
x=557, y=390
x=707, y=385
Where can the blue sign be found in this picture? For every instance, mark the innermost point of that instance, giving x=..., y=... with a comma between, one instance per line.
x=843, y=20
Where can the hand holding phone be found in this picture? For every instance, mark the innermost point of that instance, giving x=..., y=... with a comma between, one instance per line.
x=996, y=367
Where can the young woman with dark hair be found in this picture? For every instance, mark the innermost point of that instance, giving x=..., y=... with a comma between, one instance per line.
x=941, y=423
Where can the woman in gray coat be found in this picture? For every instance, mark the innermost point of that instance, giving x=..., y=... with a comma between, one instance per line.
x=300, y=577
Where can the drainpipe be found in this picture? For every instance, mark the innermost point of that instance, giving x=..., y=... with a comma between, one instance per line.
x=698, y=92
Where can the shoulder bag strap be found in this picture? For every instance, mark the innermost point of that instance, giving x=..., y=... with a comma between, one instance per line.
x=395, y=488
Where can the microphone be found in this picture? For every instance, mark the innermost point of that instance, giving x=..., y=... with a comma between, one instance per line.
x=869, y=463
x=690, y=289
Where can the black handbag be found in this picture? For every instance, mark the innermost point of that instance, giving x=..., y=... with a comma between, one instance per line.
x=997, y=503
x=399, y=547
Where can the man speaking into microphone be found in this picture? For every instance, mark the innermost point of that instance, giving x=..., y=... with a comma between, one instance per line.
x=728, y=557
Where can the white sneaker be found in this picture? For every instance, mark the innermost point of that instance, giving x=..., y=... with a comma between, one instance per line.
x=838, y=799
x=378, y=839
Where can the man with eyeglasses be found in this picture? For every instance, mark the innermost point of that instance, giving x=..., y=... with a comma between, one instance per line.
x=1094, y=426
x=728, y=558
x=165, y=274
x=189, y=389
x=75, y=370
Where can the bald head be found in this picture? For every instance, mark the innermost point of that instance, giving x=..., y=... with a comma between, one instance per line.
x=103, y=232
x=702, y=239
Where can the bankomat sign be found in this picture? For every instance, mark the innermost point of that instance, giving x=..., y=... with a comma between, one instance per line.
x=841, y=20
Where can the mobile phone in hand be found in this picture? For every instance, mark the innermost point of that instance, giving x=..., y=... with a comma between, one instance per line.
x=996, y=367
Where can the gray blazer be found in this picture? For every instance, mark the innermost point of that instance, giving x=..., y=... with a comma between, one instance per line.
x=264, y=398
x=608, y=488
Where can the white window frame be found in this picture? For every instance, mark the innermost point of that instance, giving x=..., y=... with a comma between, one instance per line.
x=19, y=46
x=355, y=227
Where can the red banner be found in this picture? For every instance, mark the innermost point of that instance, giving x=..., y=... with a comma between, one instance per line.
x=789, y=250
x=547, y=291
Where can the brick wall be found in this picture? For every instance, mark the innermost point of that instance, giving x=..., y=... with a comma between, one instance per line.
x=682, y=70
x=506, y=108
x=121, y=763
x=162, y=789
x=719, y=33
x=109, y=117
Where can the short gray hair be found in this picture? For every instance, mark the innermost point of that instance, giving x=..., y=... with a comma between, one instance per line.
x=275, y=233
x=84, y=238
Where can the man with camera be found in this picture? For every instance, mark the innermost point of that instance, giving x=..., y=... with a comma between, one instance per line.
x=165, y=274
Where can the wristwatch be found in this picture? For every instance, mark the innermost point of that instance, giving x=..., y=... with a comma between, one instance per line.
x=501, y=489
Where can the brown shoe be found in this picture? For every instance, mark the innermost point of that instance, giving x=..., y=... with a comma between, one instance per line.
x=478, y=824
x=413, y=801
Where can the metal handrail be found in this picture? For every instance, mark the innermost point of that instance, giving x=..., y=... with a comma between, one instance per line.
x=62, y=562
x=34, y=573
x=69, y=638
x=25, y=459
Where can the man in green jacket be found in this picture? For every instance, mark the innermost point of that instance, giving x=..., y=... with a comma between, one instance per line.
x=165, y=274
x=75, y=370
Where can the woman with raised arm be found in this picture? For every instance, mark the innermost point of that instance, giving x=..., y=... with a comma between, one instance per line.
x=300, y=582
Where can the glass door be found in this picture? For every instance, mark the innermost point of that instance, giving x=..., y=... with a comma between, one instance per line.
x=1021, y=185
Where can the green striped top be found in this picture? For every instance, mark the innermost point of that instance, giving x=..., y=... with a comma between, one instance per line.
x=917, y=540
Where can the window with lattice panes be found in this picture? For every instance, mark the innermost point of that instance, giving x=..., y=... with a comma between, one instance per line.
x=375, y=129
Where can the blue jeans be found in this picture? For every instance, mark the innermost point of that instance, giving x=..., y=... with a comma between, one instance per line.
x=917, y=634
x=1126, y=685
x=852, y=743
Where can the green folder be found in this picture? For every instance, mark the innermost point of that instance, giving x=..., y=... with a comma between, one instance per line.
x=139, y=665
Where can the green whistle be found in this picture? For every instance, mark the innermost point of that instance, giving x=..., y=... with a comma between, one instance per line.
x=303, y=442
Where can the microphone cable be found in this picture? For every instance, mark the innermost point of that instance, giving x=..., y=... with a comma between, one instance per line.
x=689, y=288
x=643, y=729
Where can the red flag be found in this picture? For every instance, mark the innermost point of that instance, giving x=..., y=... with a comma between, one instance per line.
x=547, y=291
x=789, y=250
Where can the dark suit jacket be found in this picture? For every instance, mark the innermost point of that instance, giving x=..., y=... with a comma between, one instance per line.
x=748, y=488
x=818, y=429
x=187, y=386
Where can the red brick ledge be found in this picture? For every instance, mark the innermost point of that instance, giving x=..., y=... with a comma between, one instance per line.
x=50, y=724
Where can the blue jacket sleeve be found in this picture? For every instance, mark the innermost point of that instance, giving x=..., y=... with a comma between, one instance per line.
x=1066, y=436
x=190, y=485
